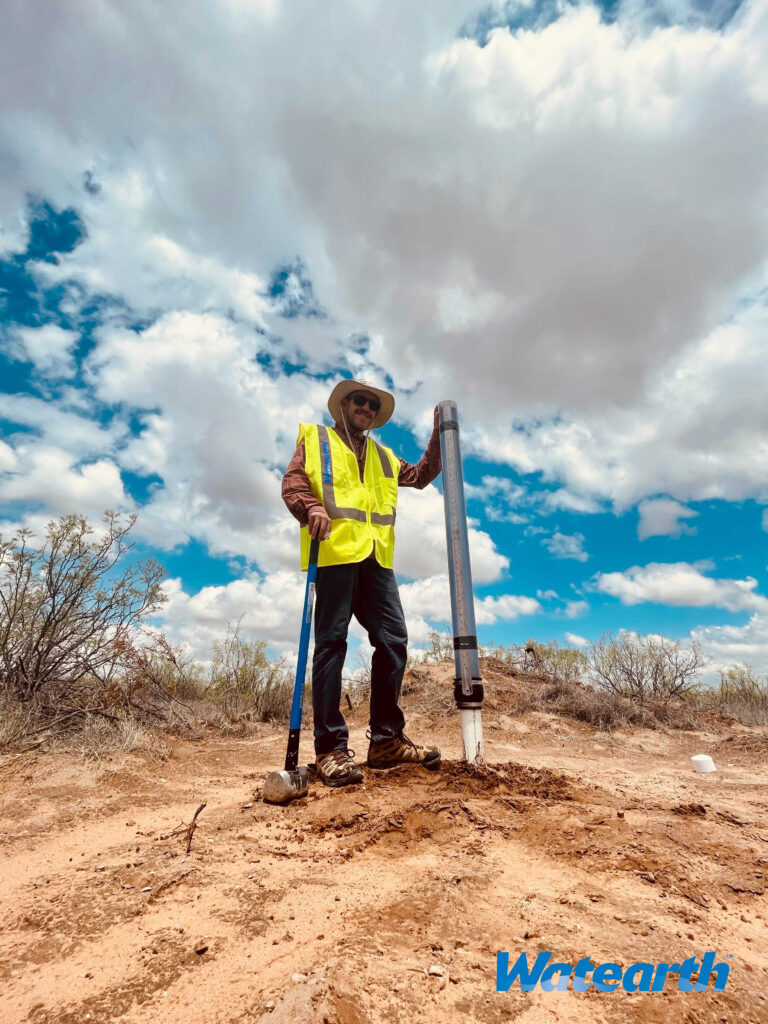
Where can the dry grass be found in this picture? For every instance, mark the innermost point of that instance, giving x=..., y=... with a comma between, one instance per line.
x=574, y=700
x=156, y=694
x=742, y=695
x=102, y=723
x=607, y=711
x=17, y=723
x=28, y=727
x=425, y=690
x=747, y=713
x=102, y=740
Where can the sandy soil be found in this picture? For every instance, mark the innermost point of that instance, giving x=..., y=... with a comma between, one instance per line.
x=387, y=902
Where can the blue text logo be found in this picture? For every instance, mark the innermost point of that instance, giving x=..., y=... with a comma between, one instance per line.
x=607, y=977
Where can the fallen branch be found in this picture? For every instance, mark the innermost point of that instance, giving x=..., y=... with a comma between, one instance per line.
x=191, y=827
x=182, y=829
x=172, y=881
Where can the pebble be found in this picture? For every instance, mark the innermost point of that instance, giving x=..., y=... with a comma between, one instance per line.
x=298, y=979
x=436, y=971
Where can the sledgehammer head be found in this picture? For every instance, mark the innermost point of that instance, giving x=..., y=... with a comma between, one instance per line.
x=282, y=787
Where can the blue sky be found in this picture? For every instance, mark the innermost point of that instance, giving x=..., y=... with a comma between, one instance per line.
x=553, y=213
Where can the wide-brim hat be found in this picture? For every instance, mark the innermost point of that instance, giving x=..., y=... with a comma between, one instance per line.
x=347, y=387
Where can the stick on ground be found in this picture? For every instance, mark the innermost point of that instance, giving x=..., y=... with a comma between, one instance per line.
x=191, y=828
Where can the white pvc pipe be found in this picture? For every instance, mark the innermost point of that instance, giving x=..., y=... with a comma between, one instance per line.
x=472, y=734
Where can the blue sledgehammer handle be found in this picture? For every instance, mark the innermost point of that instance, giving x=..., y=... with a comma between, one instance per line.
x=294, y=728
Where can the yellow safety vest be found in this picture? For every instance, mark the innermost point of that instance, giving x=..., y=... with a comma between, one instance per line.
x=362, y=513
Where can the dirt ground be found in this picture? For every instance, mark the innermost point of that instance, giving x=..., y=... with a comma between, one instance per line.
x=389, y=901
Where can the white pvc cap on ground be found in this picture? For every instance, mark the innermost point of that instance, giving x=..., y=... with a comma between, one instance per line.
x=703, y=763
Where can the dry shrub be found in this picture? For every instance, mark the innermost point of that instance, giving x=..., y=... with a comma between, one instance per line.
x=25, y=726
x=64, y=606
x=605, y=711
x=76, y=665
x=645, y=668
x=420, y=692
x=742, y=695
x=426, y=696
x=638, y=681
x=151, y=686
x=551, y=660
x=18, y=722
x=245, y=682
x=210, y=716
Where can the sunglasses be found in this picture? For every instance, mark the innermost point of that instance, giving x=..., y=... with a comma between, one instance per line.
x=362, y=400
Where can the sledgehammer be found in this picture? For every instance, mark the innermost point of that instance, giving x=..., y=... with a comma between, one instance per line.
x=282, y=787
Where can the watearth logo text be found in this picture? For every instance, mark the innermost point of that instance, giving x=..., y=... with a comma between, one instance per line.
x=607, y=977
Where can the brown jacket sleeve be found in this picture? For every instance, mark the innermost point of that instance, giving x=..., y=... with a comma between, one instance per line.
x=426, y=469
x=297, y=493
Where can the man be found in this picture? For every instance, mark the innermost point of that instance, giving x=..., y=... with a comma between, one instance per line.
x=342, y=487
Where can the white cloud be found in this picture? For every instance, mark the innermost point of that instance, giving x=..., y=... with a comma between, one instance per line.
x=8, y=458
x=697, y=433
x=505, y=608
x=563, y=499
x=48, y=477
x=420, y=548
x=570, y=609
x=500, y=497
x=729, y=644
x=68, y=422
x=681, y=584
x=663, y=517
x=528, y=202
x=427, y=605
x=266, y=608
x=576, y=640
x=562, y=545
x=426, y=601
x=48, y=347
x=219, y=434
x=575, y=609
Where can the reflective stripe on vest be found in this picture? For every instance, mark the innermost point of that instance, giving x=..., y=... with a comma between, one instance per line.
x=329, y=495
x=362, y=513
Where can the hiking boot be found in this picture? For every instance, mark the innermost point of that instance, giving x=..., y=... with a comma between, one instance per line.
x=336, y=768
x=400, y=750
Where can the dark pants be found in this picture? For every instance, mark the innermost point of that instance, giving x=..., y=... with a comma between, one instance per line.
x=368, y=592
